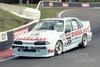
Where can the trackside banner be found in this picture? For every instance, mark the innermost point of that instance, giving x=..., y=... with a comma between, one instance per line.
x=20, y=32
x=7, y=38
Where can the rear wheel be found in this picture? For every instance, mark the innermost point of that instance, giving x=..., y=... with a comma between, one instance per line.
x=58, y=48
x=84, y=41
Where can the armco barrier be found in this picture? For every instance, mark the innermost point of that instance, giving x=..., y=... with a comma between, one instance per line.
x=7, y=38
x=65, y=4
x=68, y=4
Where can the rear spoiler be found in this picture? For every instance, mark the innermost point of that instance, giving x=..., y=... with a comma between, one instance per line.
x=86, y=24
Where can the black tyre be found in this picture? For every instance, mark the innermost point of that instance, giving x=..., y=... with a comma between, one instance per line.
x=58, y=48
x=84, y=42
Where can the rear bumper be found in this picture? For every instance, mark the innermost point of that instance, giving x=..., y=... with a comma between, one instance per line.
x=89, y=36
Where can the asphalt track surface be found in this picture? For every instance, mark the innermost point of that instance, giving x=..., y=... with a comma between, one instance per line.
x=87, y=57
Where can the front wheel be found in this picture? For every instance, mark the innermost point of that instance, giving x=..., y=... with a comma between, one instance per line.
x=84, y=41
x=58, y=48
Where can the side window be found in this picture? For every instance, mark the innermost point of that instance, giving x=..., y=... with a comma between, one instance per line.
x=68, y=25
x=75, y=24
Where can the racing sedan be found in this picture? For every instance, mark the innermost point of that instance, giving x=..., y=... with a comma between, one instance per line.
x=53, y=36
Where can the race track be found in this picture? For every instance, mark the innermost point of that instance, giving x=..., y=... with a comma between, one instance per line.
x=88, y=57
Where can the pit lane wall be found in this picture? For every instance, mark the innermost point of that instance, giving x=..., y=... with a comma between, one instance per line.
x=7, y=37
x=68, y=4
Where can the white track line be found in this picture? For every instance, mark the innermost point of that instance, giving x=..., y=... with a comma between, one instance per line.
x=63, y=12
x=8, y=58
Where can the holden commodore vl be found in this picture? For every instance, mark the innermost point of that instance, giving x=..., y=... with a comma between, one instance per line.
x=53, y=36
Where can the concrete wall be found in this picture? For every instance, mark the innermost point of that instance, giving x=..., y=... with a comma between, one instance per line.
x=30, y=13
x=12, y=8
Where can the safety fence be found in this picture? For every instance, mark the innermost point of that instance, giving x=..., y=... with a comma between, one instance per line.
x=68, y=4
x=84, y=0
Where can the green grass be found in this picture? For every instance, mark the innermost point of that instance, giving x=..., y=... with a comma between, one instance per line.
x=29, y=5
x=50, y=12
x=9, y=21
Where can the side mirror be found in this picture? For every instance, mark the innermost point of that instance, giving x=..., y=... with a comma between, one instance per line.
x=67, y=30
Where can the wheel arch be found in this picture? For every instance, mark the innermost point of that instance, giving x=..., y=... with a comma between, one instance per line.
x=82, y=37
x=85, y=34
x=61, y=42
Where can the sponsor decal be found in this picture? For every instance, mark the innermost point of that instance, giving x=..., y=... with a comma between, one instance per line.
x=50, y=4
x=85, y=5
x=32, y=39
x=20, y=32
x=51, y=21
x=36, y=33
x=78, y=32
x=50, y=51
x=3, y=36
x=76, y=38
x=27, y=47
x=63, y=39
x=65, y=5
x=68, y=33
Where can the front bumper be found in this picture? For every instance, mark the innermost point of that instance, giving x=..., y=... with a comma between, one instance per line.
x=33, y=51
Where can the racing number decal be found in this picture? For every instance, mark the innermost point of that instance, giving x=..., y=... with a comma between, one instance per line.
x=68, y=40
x=3, y=36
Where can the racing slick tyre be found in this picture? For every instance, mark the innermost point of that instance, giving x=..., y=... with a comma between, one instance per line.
x=58, y=48
x=84, y=42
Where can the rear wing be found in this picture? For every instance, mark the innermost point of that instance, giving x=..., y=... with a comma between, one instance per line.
x=86, y=23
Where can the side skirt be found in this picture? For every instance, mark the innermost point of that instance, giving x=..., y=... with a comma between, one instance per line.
x=70, y=47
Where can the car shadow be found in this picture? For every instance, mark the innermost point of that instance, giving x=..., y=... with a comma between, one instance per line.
x=32, y=57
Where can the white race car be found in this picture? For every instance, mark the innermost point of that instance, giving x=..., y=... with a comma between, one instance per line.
x=53, y=36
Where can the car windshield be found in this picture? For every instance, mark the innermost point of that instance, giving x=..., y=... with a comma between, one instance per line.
x=56, y=25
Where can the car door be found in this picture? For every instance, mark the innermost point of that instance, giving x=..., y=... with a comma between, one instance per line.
x=68, y=29
x=76, y=36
